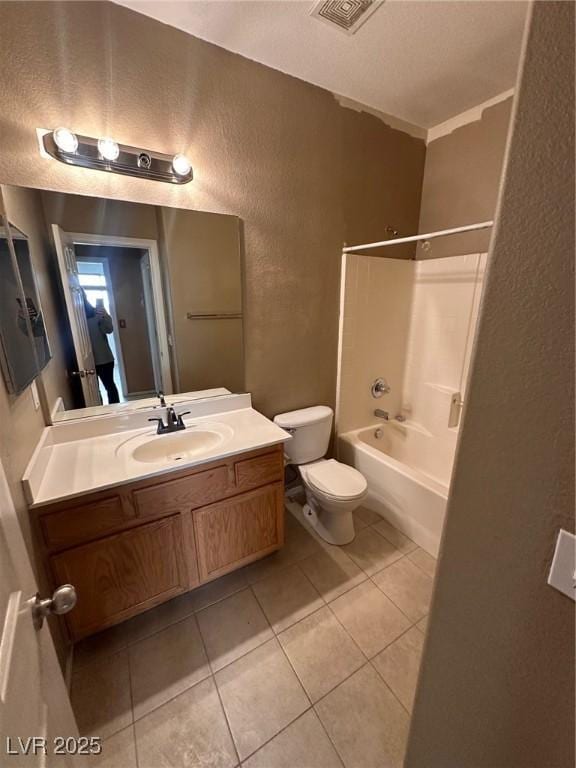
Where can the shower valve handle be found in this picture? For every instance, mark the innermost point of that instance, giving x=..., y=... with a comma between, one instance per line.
x=379, y=387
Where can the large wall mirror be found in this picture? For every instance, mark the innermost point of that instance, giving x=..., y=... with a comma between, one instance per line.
x=138, y=299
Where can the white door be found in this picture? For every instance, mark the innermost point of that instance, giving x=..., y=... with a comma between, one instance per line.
x=33, y=697
x=76, y=316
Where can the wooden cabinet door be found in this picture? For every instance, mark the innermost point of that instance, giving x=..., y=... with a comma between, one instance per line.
x=122, y=575
x=235, y=532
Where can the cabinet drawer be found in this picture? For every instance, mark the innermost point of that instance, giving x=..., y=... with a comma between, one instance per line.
x=122, y=575
x=237, y=531
x=187, y=493
x=84, y=522
x=260, y=470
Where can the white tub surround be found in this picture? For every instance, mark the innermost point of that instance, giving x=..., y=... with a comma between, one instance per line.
x=413, y=323
x=80, y=457
x=403, y=485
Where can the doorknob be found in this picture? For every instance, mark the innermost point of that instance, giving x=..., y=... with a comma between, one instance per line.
x=62, y=601
x=84, y=372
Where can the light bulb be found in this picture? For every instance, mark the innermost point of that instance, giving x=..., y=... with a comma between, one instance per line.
x=65, y=140
x=108, y=148
x=181, y=165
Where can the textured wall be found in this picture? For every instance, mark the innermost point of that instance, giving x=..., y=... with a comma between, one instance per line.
x=497, y=678
x=281, y=154
x=461, y=181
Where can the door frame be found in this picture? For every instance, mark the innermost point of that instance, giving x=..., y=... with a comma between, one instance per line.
x=162, y=335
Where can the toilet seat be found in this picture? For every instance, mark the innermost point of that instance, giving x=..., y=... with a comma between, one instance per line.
x=335, y=481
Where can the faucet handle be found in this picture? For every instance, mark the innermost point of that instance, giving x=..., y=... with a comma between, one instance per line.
x=180, y=422
x=160, y=423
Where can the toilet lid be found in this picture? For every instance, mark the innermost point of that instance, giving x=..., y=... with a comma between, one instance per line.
x=336, y=479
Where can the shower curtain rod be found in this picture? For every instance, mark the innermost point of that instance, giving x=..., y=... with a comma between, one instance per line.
x=416, y=238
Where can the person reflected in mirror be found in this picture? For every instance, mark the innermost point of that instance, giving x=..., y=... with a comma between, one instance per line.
x=99, y=327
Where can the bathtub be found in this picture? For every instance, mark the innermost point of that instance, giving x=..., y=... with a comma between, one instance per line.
x=408, y=475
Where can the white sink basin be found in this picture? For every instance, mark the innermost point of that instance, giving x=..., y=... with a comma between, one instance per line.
x=176, y=446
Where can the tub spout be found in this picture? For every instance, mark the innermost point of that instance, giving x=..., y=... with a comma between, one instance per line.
x=380, y=414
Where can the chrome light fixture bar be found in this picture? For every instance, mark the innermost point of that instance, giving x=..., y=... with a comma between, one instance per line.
x=105, y=154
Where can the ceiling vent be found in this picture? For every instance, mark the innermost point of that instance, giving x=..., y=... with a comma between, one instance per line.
x=346, y=15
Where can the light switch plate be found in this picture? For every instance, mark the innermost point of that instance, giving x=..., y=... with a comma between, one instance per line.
x=562, y=571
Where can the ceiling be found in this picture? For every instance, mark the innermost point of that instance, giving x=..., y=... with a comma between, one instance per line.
x=422, y=61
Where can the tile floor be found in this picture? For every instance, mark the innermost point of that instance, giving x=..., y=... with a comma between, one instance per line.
x=307, y=659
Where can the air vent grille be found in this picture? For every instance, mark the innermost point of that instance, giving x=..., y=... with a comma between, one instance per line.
x=346, y=15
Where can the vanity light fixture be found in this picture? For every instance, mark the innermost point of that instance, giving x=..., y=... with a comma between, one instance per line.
x=65, y=140
x=109, y=149
x=106, y=154
x=181, y=165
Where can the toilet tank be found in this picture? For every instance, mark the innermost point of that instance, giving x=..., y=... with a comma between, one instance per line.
x=310, y=429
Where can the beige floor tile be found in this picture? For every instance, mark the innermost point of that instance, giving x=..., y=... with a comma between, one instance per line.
x=332, y=572
x=424, y=561
x=365, y=722
x=304, y=744
x=367, y=516
x=321, y=652
x=399, y=664
x=219, y=589
x=370, y=617
x=133, y=630
x=407, y=586
x=233, y=627
x=101, y=696
x=102, y=645
x=287, y=597
x=118, y=751
x=299, y=544
x=395, y=537
x=164, y=665
x=371, y=551
x=261, y=695
x=359, y=524
x=423, y=625
x=189, y=731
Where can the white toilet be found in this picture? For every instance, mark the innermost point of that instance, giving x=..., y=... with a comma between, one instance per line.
x=333, y=490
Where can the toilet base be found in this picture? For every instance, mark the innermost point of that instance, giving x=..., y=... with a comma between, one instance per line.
x=334, y=527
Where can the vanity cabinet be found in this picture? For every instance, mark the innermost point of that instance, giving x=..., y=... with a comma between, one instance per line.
x=114, y=575
x=130, y=548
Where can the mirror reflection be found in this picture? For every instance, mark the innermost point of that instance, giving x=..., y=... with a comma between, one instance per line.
x=146, y=299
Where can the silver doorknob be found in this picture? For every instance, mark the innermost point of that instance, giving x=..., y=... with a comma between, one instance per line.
x=62, y=601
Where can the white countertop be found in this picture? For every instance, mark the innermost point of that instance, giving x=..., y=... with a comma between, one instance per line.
x=71, y=462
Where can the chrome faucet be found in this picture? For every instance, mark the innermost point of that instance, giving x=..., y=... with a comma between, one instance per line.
x=380, y=414
x=174, y=422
